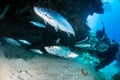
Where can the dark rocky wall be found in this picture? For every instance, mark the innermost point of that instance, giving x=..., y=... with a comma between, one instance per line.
x=14, y=23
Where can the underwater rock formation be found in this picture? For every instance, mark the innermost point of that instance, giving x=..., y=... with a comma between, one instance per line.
x=24, y=66
x=116, y=76
x=75, y=11
x=18, y=23
x=98, y=52
x=108, y=56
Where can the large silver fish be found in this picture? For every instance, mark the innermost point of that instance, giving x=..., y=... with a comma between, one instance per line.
x=54, y=19
x=61, y=51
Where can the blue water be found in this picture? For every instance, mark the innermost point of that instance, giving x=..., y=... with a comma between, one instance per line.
x=111, y=19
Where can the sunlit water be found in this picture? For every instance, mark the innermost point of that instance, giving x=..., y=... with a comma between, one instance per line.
x=110, y=18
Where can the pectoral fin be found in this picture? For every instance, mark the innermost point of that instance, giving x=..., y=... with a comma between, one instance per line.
x=58, y=41
x=68, y=34
x=45, y=22
x=56, y=29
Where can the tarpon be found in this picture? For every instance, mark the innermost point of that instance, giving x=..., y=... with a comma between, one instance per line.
x=12, y=41
x=54, y=19
x=24, y=41
x=38, y=51
x=83, y=45
x=61, y=51
x=38, y=24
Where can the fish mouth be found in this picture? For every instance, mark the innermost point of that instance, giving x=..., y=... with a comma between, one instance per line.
x=40, y=10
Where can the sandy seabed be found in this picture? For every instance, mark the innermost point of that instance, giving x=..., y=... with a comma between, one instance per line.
x=42, y=67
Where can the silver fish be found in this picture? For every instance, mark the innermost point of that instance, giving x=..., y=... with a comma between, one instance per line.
x=38, y=24
x=83, y=45
x=24, y=41
x=54, y=19
x=12, y=41
x=61, y=51
x=38, y=51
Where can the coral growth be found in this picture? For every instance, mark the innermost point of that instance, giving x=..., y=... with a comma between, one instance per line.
x=116, y=76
